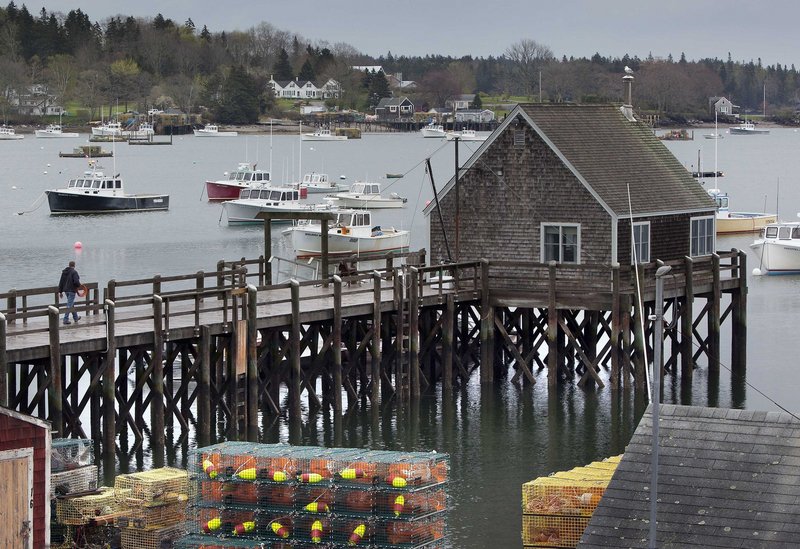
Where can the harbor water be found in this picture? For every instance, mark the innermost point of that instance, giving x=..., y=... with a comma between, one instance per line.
x=498, y=436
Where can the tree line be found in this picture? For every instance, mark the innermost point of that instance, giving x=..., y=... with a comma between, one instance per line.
x=160, y=62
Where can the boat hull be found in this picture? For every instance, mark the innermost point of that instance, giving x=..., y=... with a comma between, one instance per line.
x=217, y=191
x=777, y=257
x=376, y=203
x=54, y=135
x=201, y=133
x=741, y=131
x=312, y=137
x=432, y=133
x=240, y=212
x=306, y=243
x=742, y=222
x=73, y=203
x=12, y=137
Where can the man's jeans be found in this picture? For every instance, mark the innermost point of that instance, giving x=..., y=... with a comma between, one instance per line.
x=70, y=307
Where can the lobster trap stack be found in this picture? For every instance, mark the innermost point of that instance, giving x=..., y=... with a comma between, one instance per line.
x=245, y=495
x=556, y=509
x=71, y=472
x=154, y=504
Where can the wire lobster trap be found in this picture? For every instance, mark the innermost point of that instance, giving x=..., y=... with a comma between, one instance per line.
x=82, y=479
x=154, y=488
x=151, y=538
x=70, y=453
x=80, y=510
x=409, y=533
x=410, y=504
x=408, y=469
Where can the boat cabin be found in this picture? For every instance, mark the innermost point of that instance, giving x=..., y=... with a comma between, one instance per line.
x=247, y=174
x=365, y=188
x=781, y=231
x=96, y=182
x=270, y=194
x=317, y=179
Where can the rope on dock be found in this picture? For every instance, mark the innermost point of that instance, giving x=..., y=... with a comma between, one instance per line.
x=35, y=206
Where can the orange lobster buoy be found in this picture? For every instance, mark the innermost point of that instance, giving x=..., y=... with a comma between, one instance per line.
x=398, y=504
x=246, y=527
x=280, y=530
x=317, y=507
x=357, y=534
x=209, y=468
x=212, y=525
x=309, y=478
x=352, y=473
x=316, y=531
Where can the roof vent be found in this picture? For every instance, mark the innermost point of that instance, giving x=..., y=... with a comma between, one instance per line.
x=627, y=108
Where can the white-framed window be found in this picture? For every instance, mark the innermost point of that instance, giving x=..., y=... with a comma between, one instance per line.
x=561, y=242
x=701, y=236
x=640, y=251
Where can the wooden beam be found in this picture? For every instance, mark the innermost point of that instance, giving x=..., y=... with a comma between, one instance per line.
x=204, y=389
x=739, y=328
x=337, y=345
x=587, y=362
x=157, y=387
x=413, y=333
x=3, y=362
x=552, y=329
x=487, y=327
x=616, y=352
x=294, y=336
x=252, y=363
x=376, y=337
x=109, y=396
x=56, y=400
x=687, y=336
x=447, y=344
x=714, y=318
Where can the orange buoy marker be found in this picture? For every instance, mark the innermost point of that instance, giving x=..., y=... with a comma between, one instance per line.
x=309, y=478
x=212, y=525
x=277, y=476
x=209, y=469
x=246, y=474
x=357, y=534
x=244, y=528
x=397, y=481
x=352, y=474
x=316, y=531
x=280, y=530
x=317, y=507
x=397, y=506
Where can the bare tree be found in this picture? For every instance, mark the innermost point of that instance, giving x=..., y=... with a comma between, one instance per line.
x=527, y=58
x=60, y=75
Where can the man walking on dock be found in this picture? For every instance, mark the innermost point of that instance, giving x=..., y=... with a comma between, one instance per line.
x=69, y=284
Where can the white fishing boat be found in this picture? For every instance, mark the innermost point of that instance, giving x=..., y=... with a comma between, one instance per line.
x=351, y=233
x=212, y=130
x=253, y=201
x=729, y=222
x=318, y=183
x=8, y=133
x=96, y=192
x=108, y=129
x=433, y=130
x=322, y=134
x=245, y=176
x=747, y=128
x=465, y=135
x=144, y=131
x=778, y=249
x=54, y=131
x=366, y=195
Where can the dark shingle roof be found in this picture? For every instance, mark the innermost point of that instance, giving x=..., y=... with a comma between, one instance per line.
x=610, y=152
x=727, y=478
x=388, y=101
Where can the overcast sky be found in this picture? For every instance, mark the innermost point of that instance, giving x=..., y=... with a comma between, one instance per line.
x=748, y=29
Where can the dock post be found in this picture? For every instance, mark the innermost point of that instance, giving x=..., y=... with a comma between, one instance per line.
x=55, y=391
x=376, y=337
x=11, y=303
x=157, y=399
x=487, y=327
x=625, y=321
x=268, y=249
x=615, y=327
x=109, y=396
x=323, y=248
x=337, y=345
x=3, y=362
x=252, y=363
x=713, y=317
x=204, y=389
x=552, y=328
x=413, y=332
x=294, y=337
x=447, y=344
x=687, y=319
x=739, y=329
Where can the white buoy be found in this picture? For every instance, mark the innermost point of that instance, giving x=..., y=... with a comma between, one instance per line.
x=45, y=172
x=342, y=177
x=13, y=187
x=756, y=272
x=48, y=164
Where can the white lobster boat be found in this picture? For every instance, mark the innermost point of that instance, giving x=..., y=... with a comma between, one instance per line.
x=54, y=131
x=433, y=130
x=253, y=201
x=7, y=133
x=322, y=134
x=352, y=233
x=318, y=183
x=366, y=195
x=212, y=130
x=778, y=249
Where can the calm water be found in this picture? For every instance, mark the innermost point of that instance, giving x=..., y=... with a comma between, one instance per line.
x=498, y=437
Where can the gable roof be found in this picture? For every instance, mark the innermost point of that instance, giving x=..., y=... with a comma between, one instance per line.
x=727, y=478
x=390, y=101
x=606, y=152
x=25, y=418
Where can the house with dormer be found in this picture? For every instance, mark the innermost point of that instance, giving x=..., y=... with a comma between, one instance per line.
x=299, y=89
x=395, y=109
x=576, y=184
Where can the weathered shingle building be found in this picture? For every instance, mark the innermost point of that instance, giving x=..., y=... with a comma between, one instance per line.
x=562, y=183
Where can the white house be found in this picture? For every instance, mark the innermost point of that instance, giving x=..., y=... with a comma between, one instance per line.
x=721, y=105
x=460, y=102
x=474, y=115
x=297, y=89
x=36, y=101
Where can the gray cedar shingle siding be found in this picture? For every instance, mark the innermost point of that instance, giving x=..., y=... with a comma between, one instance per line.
x=727, y=478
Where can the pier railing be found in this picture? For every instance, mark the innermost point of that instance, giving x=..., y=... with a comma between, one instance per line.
x=20, y=302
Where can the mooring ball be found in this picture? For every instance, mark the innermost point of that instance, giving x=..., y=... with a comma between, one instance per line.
x=756, y=272
x=78, y=245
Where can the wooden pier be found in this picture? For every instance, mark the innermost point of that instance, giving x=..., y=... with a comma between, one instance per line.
x=182, y=351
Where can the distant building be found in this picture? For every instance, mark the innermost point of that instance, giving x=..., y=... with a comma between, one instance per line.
x=396, y=82
x=369, y=68
x=460, y=102
x=305, y=89
x=474, y=115
x=35, y=101
x=395, y=108
x=721, y=105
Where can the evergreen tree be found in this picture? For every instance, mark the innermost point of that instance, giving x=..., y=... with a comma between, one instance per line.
x=282, y=70
x=205, y=34
x=378, y=89
x=478, y=103
x=234, y=99
x=307, y=72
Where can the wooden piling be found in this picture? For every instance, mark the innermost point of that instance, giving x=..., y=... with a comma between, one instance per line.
x=157, y=388
x=376, y=337
x=739, y=328
x=687, y=319
x=109, y=395
x=487, y=327
x=55, y=391
x=552, y=328
x=252, y=363
x=204, y=389
x=413, y=333
x=615, y=327
x=713, y=317
x=294, y=337
x=447, y=343
x=3, y=362
x=337, y=345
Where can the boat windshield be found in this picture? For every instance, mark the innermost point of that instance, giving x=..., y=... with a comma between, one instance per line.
x=374, y=189
x=796, y=233
x=785, y=233
x=72, y=183
x=771, y=232
x=722, y=202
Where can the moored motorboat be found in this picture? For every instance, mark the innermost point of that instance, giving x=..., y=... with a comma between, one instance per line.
x=778, y=249
x=729, y=222
x=109, y=129
x=747, y=128
x=8, y=133
x=351, y=233
x=322, y=134
x=96, y=192
x=318, y=183
x=212, y=130
x=366, y=195
x=243, y=177
x=433, y=130
x=255, y=200
x=54, y=131
x=465, y=135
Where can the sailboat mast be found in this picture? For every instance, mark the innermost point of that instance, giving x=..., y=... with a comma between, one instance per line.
x=716, y=139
